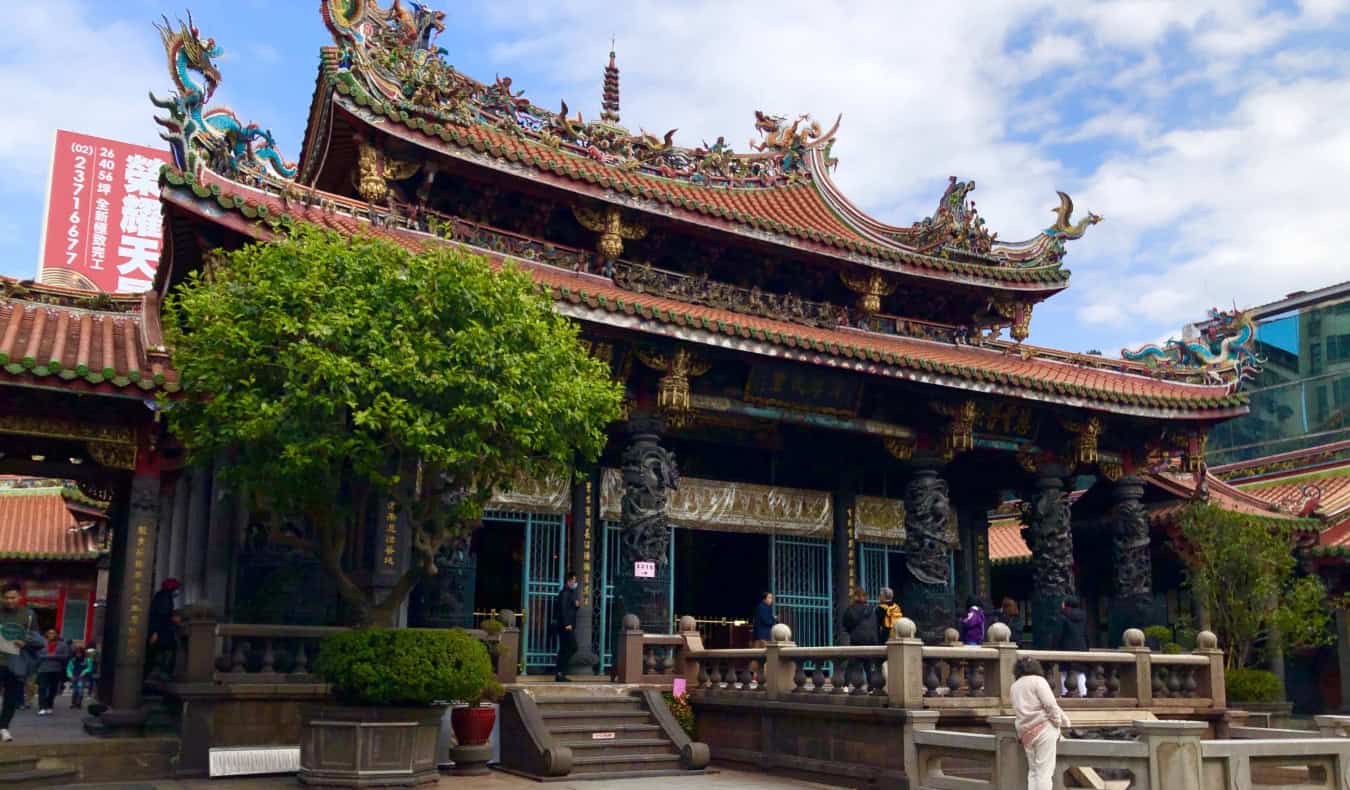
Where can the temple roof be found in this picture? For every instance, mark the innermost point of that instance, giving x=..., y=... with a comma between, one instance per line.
x=73, y=339
x=39, y=524
x=1022, y=373
x=386, y=73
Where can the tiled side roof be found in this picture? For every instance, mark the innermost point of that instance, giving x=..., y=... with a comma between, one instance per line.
x=59, y=336
x=796, y=212
x=1006, y=546
x=1327, y=491
x=36, y=524
x=593, y=298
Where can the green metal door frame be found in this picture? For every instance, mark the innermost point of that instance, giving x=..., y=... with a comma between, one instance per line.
x=542, y=569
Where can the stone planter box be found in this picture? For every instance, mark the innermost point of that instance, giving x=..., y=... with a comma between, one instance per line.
x=1279, y=715
x=368, y=747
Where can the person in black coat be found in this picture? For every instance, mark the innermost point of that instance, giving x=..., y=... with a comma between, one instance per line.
x=1073, y=636
x=860, y=623
x=764, y=620
x=565, y=620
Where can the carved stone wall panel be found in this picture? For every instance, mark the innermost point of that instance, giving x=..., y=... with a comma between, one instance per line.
x=880, y=520
x=551, y=494
x=733, y=507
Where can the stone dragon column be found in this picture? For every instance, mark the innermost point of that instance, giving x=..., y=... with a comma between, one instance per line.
x=1048, y=533
x=642, y=581
x=927, y=596
x=1133, y=563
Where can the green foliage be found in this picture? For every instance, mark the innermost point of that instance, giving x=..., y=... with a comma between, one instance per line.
x=493, y=626
x=404, y=667
x=682, y=710
x=1173, y=648
x=1253, y=685
x=1242, y=568
x=1159, y=633
x=339, y=373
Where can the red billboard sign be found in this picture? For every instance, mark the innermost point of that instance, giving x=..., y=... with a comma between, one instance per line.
x=103, y=229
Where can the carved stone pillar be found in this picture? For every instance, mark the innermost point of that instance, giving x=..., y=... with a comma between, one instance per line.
x=642, y=580
x=1133, y=605
x=581, y=540
x=136, y=561
x=199, y=501
x=928, y=596
x=1049, y=535
x=841, y=550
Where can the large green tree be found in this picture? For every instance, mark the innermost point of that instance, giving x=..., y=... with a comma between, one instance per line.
x=337, y=374
x=1242, y=568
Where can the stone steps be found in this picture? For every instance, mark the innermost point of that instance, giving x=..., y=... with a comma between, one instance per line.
x=632, y=743
x=24, y=771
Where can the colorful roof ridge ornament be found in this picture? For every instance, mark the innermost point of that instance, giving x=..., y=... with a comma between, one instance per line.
x=229, y=146
x=1225, y=348
x=388, y=56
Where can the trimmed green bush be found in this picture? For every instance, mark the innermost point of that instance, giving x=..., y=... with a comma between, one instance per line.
x=1159, y=633
x=1172, y=649
x=404, y=667
x=1253, y=685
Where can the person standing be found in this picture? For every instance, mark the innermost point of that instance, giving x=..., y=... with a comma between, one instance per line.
x=972, y=625
x=1011, y=615
x=860, y=623
x=565, y=620
x=163, y=633
x=80, y=672
x=18, y=627
x=51, y=670
x=764, y=620
x=888, y=614
x=1039, y=721
x=1073, y=637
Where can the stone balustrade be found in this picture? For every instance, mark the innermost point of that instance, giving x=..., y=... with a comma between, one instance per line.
x=1164, y=755
x=906, y=673
x=214, y=652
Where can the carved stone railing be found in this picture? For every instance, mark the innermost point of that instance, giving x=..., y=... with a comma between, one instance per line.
x=1165, y=755
x=214, y=652
x=905, y=673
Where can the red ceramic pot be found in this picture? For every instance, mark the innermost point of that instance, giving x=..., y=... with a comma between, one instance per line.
x=473, y=724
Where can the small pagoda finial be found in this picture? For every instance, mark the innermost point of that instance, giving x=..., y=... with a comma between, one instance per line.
x=610, y=97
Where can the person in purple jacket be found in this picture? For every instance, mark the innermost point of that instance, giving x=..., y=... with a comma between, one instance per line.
x=972, y=625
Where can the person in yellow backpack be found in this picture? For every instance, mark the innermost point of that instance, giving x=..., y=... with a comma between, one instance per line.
x=888, y=614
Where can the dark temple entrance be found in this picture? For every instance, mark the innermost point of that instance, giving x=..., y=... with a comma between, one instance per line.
x=719, y=577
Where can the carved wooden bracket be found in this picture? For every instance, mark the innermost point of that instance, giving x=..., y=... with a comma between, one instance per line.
x=1019, y=316
x=611, y=227
x=871, y=288
x=900, y=448
x=672, y=394
x=375, y=169
x=1085, y=436
x=959, y=435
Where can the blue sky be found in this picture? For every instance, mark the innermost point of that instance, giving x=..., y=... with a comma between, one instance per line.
x=1211, y=135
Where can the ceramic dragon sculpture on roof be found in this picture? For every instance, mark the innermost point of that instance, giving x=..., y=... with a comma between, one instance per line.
x=231, y=147
x=1225, y=348
x=390, y=54
x=957, y=227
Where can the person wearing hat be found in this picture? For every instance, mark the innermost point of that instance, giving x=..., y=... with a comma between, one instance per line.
x=162, y=640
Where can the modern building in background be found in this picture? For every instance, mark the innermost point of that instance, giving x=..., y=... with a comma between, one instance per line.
x=1302, y=394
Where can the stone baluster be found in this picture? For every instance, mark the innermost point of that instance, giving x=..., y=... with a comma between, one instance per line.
x=876, y=681
x=668, y=665
x=1093, y=681
x=977, y=680
x=798, y=676
x=1173, y=682
x=817, y=677
x=962, y=673
x=269, y=658
x=239, y=655
x=1189, y=684
x=1160, y=682
x=930, y=678
x=953, y=679
x=743, y=679
x=301, y=666
x=1113, y=682
x=715, y=677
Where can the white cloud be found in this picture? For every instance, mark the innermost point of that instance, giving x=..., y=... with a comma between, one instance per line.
x=61, y=72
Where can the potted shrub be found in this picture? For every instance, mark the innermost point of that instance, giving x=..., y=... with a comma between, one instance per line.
x=383, y=727
x=473, y=722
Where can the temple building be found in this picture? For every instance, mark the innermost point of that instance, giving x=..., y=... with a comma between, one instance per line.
x=817, y=399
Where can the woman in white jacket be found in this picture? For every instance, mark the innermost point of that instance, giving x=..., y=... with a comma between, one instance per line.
x=1039, y=721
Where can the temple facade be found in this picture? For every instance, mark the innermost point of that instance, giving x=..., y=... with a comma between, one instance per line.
x=816, y=400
